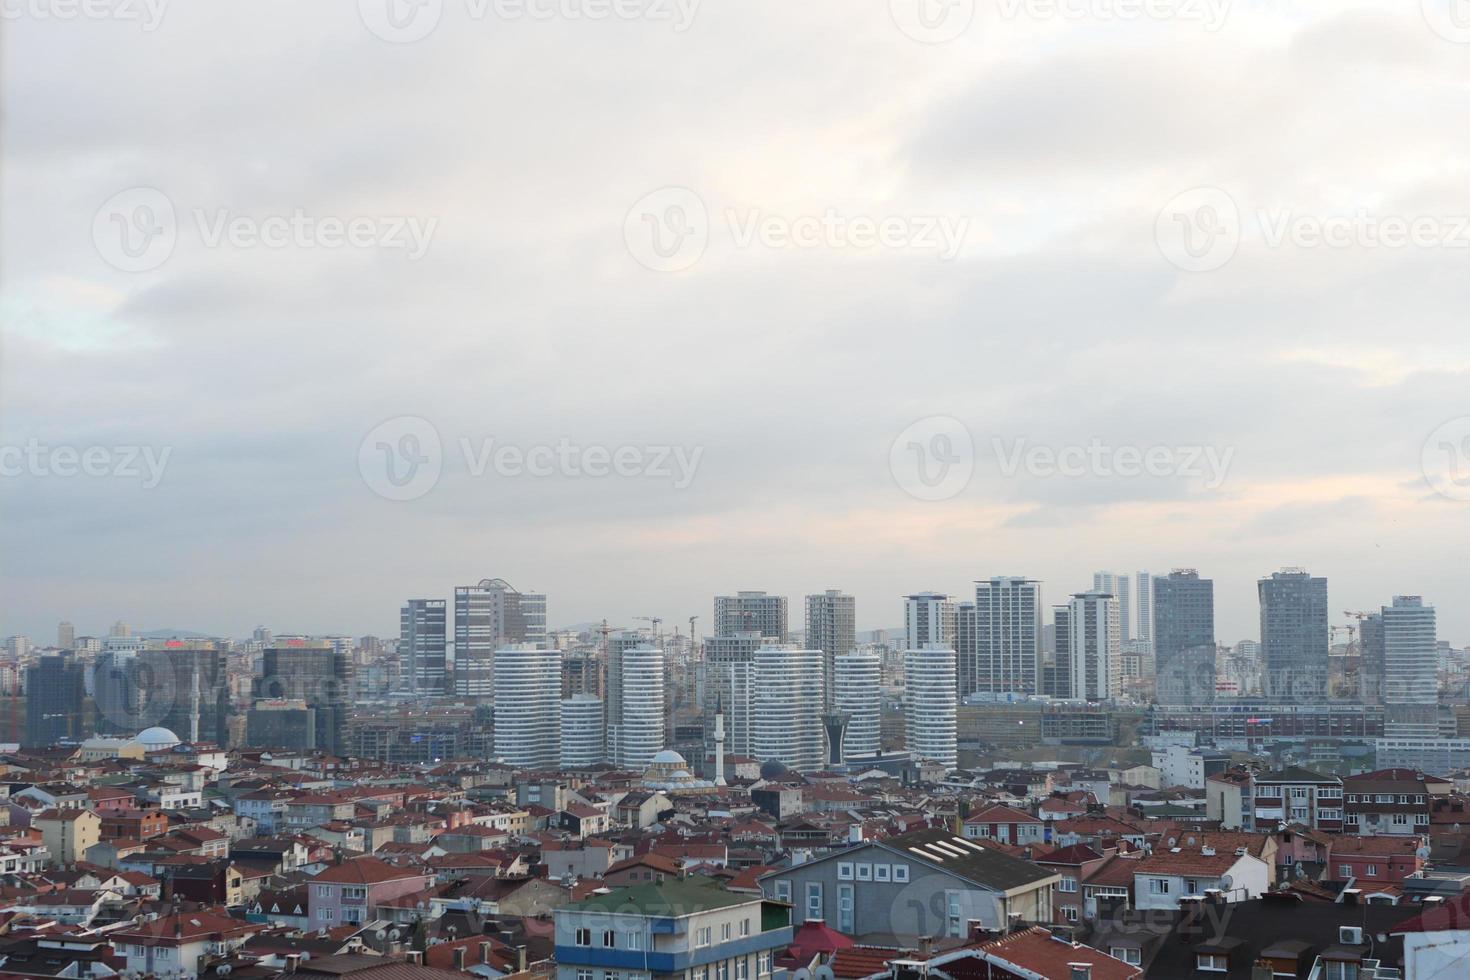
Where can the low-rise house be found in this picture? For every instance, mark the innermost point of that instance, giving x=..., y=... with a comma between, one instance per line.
x=926, y=883
x=1073, y=864
x=68, y=832
x=346, y=893
x=1029, y=954
x=1005, y=824
x=1374, y=860
x=1388, y=801
x=178, y=944
x=1162, y=878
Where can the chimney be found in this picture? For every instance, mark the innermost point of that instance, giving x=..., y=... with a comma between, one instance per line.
x=1079, y=971
x=458, y=954
x=484, y=952
x=293, y=960
x=926, y=947
x=416, y=957
x=520, y=959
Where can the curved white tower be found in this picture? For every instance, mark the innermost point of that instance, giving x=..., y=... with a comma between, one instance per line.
x=639, y=734
x=527, y=685
x=856, y=692
x=930, y=699
x=786, y=707
x=583, y=732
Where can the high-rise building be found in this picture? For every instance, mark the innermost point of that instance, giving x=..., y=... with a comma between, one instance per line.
x=487, y=616
x=1144, y=621
x=583, y=731
x=930, y=705
x=118, y=692
x=1056, y=667
x=786, y=710
x=1410, y=669
x=18, y=646
x=1370, y=662
x=423, y=649
x=751, y=612
x=857, y=692
x=1008, y=622
x=55, y=692
x=967, y=648
x=528, y=720
x=1294, y=636
x=1119, y=587
x=929, y=618
x=727, y=661
x=1184, y=638
x=322, y=678
x=636, y=705
x=66, y=635
x=831, y=626
x=1094, y=651
x=120, y=629
x=186, y=689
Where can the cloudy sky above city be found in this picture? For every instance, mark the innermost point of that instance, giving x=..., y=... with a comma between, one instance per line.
x=832, y=294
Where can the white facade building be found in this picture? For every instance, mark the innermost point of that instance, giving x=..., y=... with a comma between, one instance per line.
x=831, y=626
x=930, y=699
x=1008, y=628
x=583, y=731
x=857, y=693
x=638, y=734
x=1095, y=649
x=786, y=709
x=928, y=618
x=527, y=683
x=1410, y=670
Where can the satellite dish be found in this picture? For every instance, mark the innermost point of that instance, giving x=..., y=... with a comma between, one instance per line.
x=1382, y=937
x=1226, y=881
x=1173, y=841
x=381, y=934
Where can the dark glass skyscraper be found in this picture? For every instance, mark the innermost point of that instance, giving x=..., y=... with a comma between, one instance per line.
x=55, y=692
x=1184, y=638
x=1294, y=636
x=321, y=677
x=423, y=646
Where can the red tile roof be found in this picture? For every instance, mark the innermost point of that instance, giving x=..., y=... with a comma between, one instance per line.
x=364, y=871
x=1038, y=951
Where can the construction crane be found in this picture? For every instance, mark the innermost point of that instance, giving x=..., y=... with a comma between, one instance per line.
x=656, y=621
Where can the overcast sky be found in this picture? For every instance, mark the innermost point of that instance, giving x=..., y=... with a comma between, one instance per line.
x=821, y=249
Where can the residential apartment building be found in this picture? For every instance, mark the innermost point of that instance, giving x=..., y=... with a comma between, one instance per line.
x=1391, y=802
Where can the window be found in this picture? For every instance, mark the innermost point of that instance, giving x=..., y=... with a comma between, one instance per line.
x=1212, y=962
x=702, y=936
x=162, y=952
x=763, y=964
x=1419, y=798
x=881, y=871
x=1191, y=886
x=783, y=889
x=1401, y=819
x=323, y=891
x=814, y=899
x=354, y=894
x=725, y=932
x=1339, y=970
x=702, y=973
x=584, y=937
x=844, y=908
x=328, y=914
x=1067, y=885
x=1403, y=798
x=742, y=968
x=1128, y=954
x=1344, y=870
x=584, y=975
x=1158, y=886
x=635, y=940
x=612, y=975
x=865, y=872
x=900, y=872
x=844, y=871
x=744, y=927
x=609, y=939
